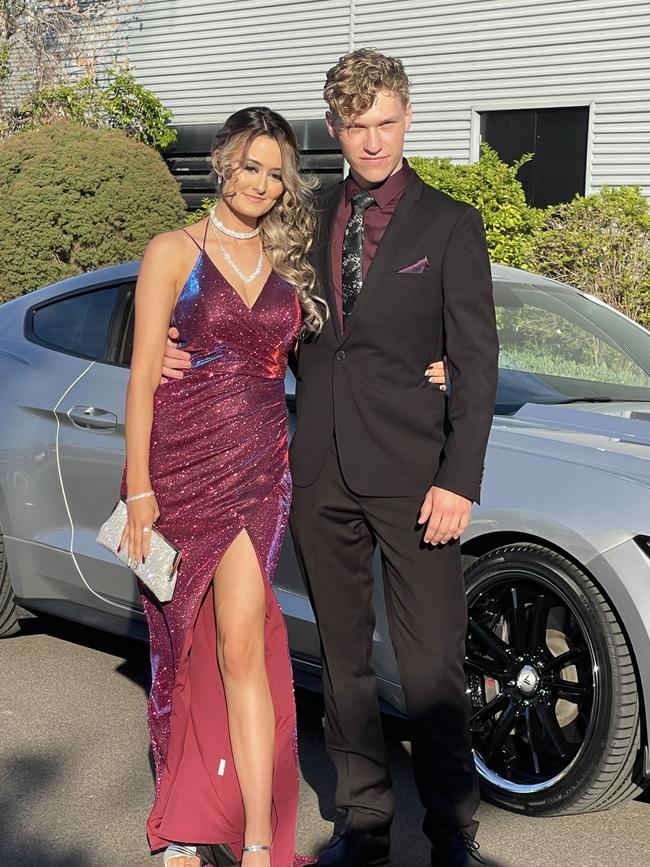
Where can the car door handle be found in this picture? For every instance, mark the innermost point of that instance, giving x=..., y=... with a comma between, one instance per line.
x=92, y=417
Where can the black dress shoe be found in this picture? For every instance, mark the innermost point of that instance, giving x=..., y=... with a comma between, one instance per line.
x=356, y=849
x=455, y=849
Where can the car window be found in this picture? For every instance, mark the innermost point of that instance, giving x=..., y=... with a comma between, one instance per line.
x=557, y=344
x=89, y=324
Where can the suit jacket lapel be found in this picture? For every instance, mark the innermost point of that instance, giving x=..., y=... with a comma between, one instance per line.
x=395, y=230
x=327, y=217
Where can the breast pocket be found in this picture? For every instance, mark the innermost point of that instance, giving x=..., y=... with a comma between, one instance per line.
x=408, y=278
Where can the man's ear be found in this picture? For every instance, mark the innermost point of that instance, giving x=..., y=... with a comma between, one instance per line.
x=331, y=125
x=408, y=112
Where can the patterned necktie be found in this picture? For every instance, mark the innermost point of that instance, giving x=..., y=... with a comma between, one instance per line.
x=352, y=265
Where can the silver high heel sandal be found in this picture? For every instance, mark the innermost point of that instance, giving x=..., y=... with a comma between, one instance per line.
x=179, y=850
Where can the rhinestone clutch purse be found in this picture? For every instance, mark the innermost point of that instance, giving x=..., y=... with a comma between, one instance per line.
x=158, y=571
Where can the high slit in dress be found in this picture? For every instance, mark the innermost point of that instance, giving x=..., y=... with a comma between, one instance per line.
x=219, y=465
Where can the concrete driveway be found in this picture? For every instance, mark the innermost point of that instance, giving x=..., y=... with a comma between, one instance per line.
x=75, y=775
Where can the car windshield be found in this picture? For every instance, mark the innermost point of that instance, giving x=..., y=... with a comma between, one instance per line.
x=557, y=345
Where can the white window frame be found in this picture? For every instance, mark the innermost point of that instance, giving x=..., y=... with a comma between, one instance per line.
x=519, y=105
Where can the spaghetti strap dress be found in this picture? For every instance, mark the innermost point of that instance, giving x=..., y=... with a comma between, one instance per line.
x=219, y=465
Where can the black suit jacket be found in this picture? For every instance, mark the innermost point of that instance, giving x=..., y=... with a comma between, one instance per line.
x=396, y=434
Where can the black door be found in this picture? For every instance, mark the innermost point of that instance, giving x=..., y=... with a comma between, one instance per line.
x=558, y=139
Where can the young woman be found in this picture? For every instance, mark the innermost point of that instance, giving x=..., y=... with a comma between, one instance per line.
x=207, y=460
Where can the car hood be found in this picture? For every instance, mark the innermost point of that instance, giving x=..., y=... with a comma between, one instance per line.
x=613, y=437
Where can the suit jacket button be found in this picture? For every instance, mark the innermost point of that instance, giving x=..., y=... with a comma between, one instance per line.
x=340, y=355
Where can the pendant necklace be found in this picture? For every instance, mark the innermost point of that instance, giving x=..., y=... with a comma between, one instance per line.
x=247, y=278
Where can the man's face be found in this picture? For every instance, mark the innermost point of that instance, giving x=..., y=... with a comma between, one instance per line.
x=373, y=143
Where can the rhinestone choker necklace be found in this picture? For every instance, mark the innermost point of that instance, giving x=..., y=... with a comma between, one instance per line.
x=242, y=236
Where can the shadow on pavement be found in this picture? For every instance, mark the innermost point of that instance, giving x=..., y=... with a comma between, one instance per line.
x=135, y=653
x=22, y=782
x=408, y=843
x=316, y=768
x=135, y=665
x=24, y=778
x=644, y=797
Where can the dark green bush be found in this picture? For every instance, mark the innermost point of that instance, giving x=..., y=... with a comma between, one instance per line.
x=73, y=199
x=493, y=188
x=601, y=244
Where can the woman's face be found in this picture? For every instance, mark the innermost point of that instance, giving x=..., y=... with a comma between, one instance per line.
x=256, y=184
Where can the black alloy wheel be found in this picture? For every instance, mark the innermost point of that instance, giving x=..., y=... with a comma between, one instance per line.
x=552, y=687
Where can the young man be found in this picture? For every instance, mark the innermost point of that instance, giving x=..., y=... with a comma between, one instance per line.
x=380, y=456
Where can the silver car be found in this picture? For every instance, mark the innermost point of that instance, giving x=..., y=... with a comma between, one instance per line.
x=557, y=555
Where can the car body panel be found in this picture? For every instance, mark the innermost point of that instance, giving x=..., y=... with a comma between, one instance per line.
x=573, y=477
x=91, y=461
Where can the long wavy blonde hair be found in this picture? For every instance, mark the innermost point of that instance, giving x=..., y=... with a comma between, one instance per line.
x=287, y=230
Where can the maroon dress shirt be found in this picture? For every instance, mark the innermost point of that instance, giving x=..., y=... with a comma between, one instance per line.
x=376, y=219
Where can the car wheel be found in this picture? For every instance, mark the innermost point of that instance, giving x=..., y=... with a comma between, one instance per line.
x=8, y=616
x=552, y=685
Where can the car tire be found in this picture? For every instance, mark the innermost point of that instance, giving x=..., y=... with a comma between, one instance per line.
x=9, y=624
x=550, y=738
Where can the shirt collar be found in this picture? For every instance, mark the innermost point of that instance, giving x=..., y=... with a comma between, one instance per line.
x=385, y=192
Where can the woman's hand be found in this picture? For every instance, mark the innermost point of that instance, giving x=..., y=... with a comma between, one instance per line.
x=142, y=514
x=436, y=373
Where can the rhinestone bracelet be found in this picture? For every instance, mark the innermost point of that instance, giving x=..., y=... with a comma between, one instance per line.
x=139, y=496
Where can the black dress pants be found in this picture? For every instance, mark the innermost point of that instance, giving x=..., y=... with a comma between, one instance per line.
x=335, y=532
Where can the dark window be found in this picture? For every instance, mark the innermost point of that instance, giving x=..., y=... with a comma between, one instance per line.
x=558, y=139
x=90, y=324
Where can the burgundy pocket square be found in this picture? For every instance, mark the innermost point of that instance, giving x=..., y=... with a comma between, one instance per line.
x=417, y=267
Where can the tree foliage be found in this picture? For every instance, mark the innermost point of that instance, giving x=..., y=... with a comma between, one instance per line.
x=43, y=41
x=54, y=65
x=493, y=188
x=73, y=199
x=116, y=101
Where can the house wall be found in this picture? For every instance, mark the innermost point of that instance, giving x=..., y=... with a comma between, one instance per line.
x=206, y=59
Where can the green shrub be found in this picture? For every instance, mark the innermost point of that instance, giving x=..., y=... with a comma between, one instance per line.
x=119, y=102
x=493, y=188
x=200, y=213
x=601, y=244
x=73, y=199
x=132, y=107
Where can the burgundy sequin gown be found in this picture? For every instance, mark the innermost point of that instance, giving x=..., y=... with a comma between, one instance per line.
x=218, y=465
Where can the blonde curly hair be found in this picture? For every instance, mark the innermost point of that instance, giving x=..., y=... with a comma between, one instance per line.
x=352, y=85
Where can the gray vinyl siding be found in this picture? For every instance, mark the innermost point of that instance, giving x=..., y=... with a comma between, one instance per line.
x=206, y=58
x=494, y=54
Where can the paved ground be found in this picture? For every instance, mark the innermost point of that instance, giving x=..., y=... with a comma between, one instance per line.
x=75, y=776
